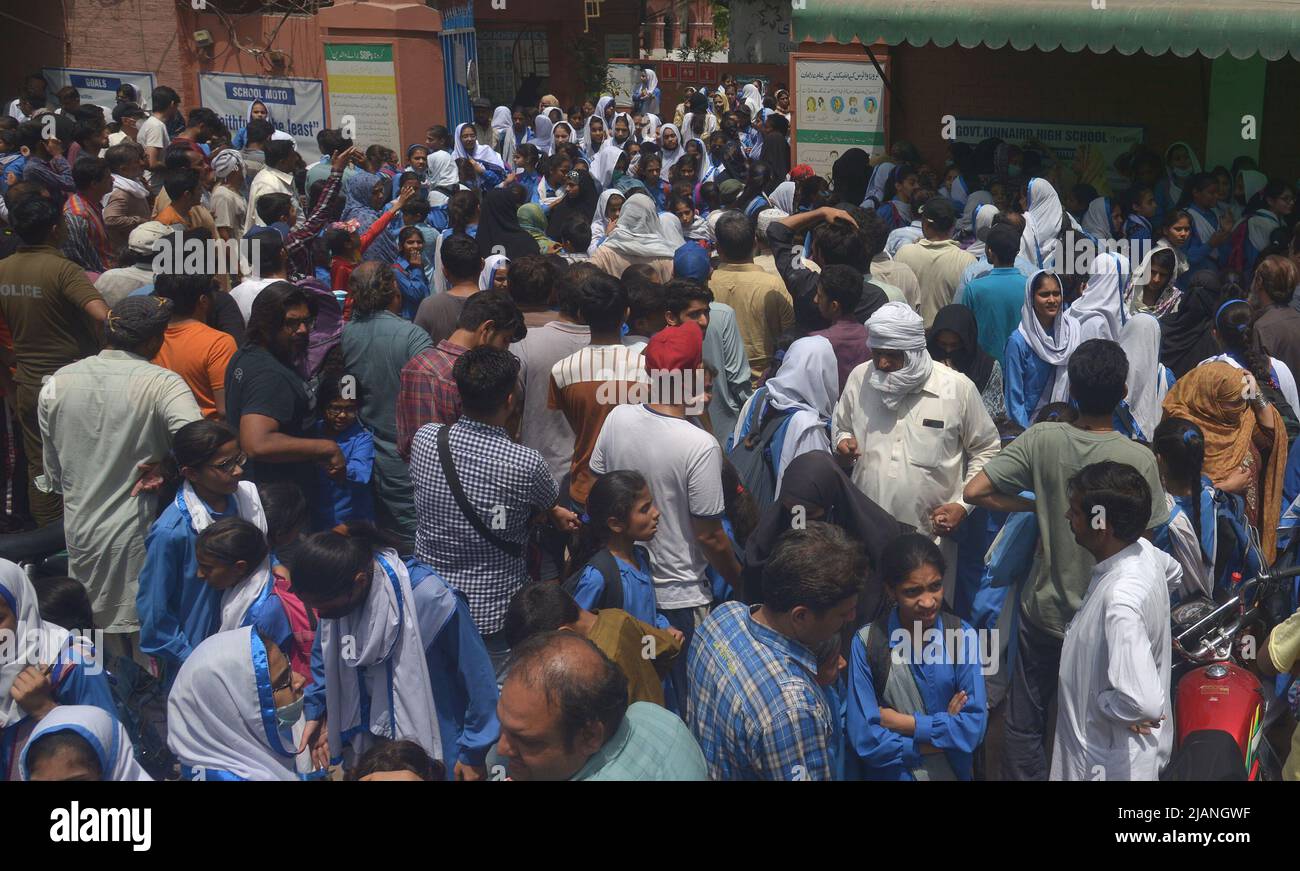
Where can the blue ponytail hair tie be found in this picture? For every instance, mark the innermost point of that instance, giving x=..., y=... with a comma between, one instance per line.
x=1188, y=435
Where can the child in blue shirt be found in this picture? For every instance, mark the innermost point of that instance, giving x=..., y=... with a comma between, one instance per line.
x=620, y=512
x=347, y=497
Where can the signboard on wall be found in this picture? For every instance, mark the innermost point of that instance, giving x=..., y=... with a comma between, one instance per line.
x=760, y=32
x=620, y=45
x=1068, y=143
x=838, y=103
x=297, y=106
x=668, y=71
x=362, y=84
x=99, y=87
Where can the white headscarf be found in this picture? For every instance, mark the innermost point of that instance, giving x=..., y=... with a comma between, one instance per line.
x=598, y=220
x=573, y=136
x=900, y=237
x=1175, y=183
x=484, y=154
x=639, y=233
x=710, y=125
x=602, y=166
x=1142, y=277
x=752, y=97
x=651, y=132
x=670, y=157
x=984, y=216
x=247, y=503
x=101, y=731
x=503, y=122
x=782, y=197
x=442, y=174
x=1042, y=224
x=386, y=651
x=35, y=641
x=1100, y=311
x=966, y=223
x=1140, y=338
x=671, y=228
x=490, y=267
x=221, y=711
x=602, y=104
x=1096, y=221
x=875, y=196
x=896, y=327
x=650, y=102
x=631, y=131
x=808, y=382
x=542, y=128
x=1052, y=348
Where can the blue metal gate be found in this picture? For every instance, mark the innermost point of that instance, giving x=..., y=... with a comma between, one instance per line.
x=459, y=61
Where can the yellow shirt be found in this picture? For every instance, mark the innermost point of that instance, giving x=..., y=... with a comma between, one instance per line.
x=642, y=651
x=1284, y=650
x=763, y=308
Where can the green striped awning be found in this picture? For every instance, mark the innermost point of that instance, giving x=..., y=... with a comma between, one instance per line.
x=1242, y=28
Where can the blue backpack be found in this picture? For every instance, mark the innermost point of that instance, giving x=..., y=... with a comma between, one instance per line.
x=758, y=452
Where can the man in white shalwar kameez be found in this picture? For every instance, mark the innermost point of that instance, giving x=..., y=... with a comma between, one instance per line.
x=1114, y=720
x=101, y=419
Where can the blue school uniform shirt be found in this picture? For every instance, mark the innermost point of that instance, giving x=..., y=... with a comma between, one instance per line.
x=1025, y=376
x=1199, y=254
x=1137, y=227
x=413, y=282
x=889, y=755
x=461, y=676
x=638, y=588
x=82, y=684
x=530, y=180
x=177, y=609
x=339, y=502
x=891, y=216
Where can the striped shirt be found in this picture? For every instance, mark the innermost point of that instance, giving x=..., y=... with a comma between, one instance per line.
x=586, y=386
x=754, y=703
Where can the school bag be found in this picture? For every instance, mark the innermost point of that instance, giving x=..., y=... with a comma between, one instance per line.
x=302, y=624
x=757, y=454
x=604, y=562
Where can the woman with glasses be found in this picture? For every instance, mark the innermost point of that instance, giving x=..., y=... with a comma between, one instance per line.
x=177, y=609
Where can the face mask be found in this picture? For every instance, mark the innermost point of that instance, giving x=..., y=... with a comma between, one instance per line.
x=1182, y=173
x=291, y=713
x=1013, y=170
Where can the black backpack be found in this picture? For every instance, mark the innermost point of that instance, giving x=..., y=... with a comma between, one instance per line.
x=604, y=562
x=879, y=651
x=752, y=455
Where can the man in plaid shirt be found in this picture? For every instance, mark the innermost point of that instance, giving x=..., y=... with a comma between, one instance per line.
x=506, y=485
x=754, y=703
x=428, y=392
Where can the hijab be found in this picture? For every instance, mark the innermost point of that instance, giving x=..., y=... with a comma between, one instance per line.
x=1140, y=339
x=1052, y=348
x=583, y=206
x=1211, y=396
x=1096, y=221
x=543, y=128
x=671, y=228
x=106, y=736
x=667, y=157
x=776, y=153
x=598, y=220
x=34, y=640
x=984, y=216
x=753, y=99
x=639, y=233
x=1252, y=182
x=489, y=272
x=652, y=124
x=971, y=360
x=387, y=657
x=966, y=223
x=1176, y=183
x=533, y=221
x=358, y=189
x=498, y=225
x=604, y=162
x=221, y=715
x=442, y=174
x=1042, y=224
x=1171, y=298
x=782, y=197
x=484, y=154
x=808, y=383
x=895, y=326
x=849, y=176
x=1100, y=312
x=814, y=479
x=573, y=136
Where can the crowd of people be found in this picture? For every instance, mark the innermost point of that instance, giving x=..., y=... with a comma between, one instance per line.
x=604, y=442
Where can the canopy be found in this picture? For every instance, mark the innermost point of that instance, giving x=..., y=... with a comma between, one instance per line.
x=1242, y=28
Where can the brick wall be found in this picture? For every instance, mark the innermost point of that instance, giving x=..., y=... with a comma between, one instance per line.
x=143, y=35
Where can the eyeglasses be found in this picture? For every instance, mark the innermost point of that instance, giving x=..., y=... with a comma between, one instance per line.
x=228, y=466
x=292, y=324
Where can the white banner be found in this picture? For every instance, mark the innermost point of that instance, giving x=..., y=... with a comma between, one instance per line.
x=297, y=106
x=99, y=87
x=1064, y=140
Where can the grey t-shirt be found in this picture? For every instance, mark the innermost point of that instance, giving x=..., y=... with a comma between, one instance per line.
x=544, y=429
x=438, y=315
x=1043, y=460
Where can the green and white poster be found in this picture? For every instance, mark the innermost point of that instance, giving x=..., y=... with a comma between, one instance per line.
x=837, y=105
x=363, y=87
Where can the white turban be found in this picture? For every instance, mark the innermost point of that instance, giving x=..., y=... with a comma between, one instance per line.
x=226, y=162
x=896, y=327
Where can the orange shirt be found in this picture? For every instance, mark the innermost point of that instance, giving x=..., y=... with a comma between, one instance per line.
x=200, y=355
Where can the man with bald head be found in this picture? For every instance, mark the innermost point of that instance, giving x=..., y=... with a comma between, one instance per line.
x=564, y=716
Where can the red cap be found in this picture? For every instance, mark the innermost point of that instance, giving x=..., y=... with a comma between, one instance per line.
x=676, y=349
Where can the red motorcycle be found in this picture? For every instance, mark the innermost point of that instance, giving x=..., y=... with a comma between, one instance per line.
x=1222, y=711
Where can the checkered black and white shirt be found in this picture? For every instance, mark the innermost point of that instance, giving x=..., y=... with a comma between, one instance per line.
x=507, y=484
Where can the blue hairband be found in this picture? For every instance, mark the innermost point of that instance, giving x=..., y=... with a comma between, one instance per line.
x=1188, y=435
x=1225, y=305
